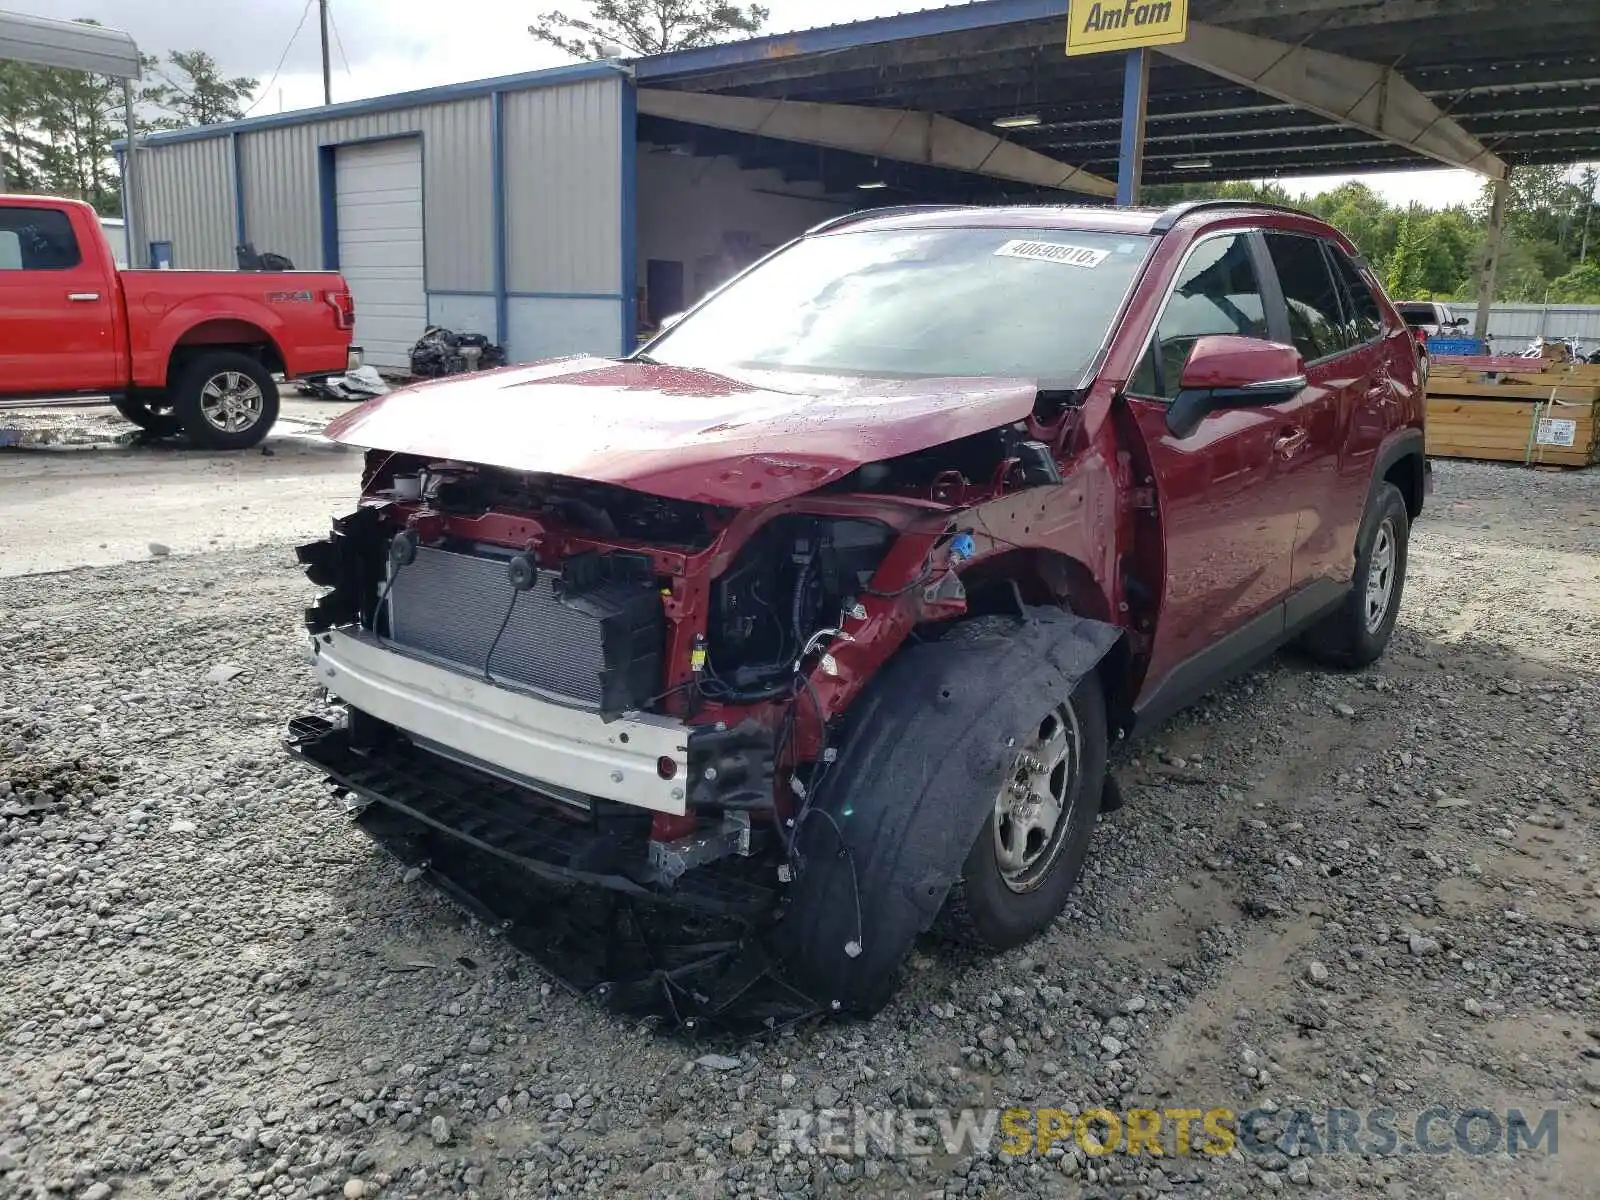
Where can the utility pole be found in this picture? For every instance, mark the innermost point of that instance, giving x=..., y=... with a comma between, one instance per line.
x=327, y=63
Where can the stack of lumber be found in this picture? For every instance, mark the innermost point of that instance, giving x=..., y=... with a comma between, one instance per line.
x=1541, y=413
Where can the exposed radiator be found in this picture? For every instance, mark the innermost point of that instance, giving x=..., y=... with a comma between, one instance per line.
x=600, y=647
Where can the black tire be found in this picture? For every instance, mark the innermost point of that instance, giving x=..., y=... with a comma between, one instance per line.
x=225, y=378
x=142, y=414
x=1350, y=637
x=988, y=911
x=895, y=820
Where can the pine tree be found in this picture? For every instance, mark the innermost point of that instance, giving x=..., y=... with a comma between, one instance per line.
x=640, y=27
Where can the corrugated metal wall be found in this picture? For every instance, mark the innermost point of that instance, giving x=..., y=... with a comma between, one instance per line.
x=282, y=210
x=563, y=166
x=564, y=189
x=1513, y=326
x=189, y=202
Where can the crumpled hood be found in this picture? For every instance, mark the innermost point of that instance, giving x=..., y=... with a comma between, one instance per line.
x=687, y=434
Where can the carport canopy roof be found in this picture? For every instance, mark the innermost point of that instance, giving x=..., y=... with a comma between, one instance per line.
x=1522, y=79
x=68, y=44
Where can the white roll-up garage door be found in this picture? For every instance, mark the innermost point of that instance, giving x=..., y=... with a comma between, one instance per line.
x=379, y=196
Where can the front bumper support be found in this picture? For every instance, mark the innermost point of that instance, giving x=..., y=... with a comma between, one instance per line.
x=606, y=848
x=522, y=734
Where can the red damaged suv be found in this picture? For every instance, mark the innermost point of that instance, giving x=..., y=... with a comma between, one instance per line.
x=721, y=672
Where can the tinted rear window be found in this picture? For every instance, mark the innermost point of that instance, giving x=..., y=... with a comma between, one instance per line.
x=1418, y=314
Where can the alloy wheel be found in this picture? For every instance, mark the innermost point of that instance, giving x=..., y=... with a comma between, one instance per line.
x=1034, y=807
x=1380, y=576
x=231, y=401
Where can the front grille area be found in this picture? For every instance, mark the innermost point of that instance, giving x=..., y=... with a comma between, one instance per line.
x=600, y=647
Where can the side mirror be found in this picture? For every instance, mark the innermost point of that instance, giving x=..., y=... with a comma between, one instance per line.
x=669, y=321
x=1228, y=371
x=1459, y=323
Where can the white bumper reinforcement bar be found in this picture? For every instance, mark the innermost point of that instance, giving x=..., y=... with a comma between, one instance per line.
x=518, y=733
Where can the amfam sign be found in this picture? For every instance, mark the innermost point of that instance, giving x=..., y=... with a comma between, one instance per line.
x=1096, y=26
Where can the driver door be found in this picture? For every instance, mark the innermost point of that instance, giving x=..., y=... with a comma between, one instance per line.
x=1227, y=528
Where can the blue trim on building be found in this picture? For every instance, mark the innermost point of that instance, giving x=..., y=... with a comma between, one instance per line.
x=328, y=196
x=612, y=296
x=956, y=18
x=629, y=138
x=356, y=108
x=497, y=201
x=238, y=190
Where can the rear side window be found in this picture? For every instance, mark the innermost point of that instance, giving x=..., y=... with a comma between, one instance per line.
x=1366, y=318
x=1217, y=291
x=36, y=239
x=1316, y=322
x=1417, y=314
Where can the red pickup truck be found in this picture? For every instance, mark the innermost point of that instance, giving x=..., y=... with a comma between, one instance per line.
x=177, y=351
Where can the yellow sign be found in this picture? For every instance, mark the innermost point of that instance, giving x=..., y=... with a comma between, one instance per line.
x=1095, y=26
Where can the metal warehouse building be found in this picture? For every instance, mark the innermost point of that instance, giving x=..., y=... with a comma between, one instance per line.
x=560, y=210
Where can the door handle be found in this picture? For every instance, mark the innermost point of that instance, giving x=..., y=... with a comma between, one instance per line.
x=1292, y=442
x=83, y=295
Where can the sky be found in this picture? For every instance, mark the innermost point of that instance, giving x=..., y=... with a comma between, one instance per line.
x=384, y=46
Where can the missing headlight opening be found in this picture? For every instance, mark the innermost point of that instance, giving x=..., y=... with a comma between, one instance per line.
x=598, y=623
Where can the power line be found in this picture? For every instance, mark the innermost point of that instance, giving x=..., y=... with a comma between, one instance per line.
x=282, y=58
x=339, y=41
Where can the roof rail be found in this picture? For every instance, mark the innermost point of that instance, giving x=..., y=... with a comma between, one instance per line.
x=1177, y=212
x=866, y=214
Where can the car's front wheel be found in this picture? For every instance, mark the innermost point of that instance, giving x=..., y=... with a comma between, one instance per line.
x=1358, y=631
x=1030, y=853
x=967, y=785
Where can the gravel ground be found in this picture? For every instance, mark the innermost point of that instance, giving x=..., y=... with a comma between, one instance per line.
x=1371, y=890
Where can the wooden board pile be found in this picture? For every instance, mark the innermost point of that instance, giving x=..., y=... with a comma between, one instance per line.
x=1539, y=413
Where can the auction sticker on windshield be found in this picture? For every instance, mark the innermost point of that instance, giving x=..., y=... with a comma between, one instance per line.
x=1072, y=256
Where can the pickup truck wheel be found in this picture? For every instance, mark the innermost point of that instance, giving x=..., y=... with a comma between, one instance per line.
x=226, y=400
x=161, y=424
x=1358, y=631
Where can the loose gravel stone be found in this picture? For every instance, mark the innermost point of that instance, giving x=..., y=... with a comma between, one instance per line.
x=213, y=986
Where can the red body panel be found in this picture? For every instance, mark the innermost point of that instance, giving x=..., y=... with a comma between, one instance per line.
x=61, y=330
x=290, y=307
x=1228, y=524
x=120, y=330
x=690, y=435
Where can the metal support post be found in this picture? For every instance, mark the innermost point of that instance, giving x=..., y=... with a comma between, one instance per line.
x=1135, y=91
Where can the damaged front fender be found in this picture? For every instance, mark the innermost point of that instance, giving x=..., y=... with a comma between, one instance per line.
x=929, y=744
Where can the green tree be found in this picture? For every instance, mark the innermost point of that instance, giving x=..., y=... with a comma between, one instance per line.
x=1445, y=256
x=641, y=27
x=1581, y=285
x=1405, y=266
x=20, y=140
x=190, y=89
x=80, y=114
x=1361, y=215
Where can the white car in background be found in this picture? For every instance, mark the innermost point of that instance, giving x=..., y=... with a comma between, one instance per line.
x=1426, y=319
